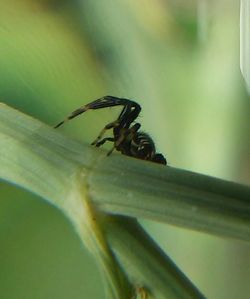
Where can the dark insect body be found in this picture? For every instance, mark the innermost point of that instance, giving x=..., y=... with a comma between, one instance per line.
x=126, y=136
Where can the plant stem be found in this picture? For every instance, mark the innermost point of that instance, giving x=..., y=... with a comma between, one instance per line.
x=88, y=187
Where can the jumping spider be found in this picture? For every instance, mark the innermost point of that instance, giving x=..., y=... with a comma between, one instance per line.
x=127, y=138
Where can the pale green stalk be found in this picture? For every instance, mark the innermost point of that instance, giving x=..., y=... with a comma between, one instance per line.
x=90, y=187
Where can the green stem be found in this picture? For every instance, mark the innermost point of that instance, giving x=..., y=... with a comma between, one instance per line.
x=84, y=183
x=119, y=184
x=144, y=265
x=172, y=195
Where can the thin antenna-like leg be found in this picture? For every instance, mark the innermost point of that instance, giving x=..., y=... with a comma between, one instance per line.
x=104, y=102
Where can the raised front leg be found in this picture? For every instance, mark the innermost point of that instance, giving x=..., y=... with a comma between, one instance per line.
x=104, y=102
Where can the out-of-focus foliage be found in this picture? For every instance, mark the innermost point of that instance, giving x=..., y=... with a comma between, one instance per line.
x=180, y=61
x=245, y=40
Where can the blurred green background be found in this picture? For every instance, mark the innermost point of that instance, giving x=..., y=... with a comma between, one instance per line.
x=180, y=60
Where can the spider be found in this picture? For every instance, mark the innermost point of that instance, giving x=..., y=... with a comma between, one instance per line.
x=126, y=135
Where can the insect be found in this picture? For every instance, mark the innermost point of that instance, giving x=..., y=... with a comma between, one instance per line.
x=126, y=135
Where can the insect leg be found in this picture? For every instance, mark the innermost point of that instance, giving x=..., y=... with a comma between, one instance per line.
x=101, y=142
x=126, y=132
x=107, y=127
x=128, y=114
x=104, y=102
x=135, y=127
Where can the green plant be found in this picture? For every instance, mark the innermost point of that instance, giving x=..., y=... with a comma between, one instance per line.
x=103, y=196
